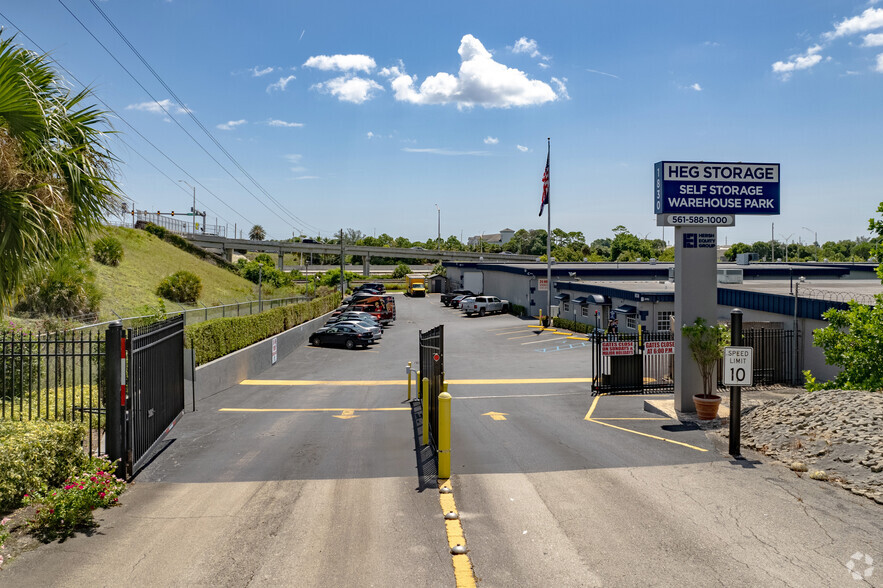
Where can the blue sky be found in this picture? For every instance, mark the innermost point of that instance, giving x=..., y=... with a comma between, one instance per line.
x=367, y=115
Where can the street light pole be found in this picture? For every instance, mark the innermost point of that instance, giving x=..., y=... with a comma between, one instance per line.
x=438, y=241
x=192, y=210
x=815, y=239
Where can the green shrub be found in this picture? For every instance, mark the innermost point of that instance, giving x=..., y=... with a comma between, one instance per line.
x=36, y=454
x=574, y=326
x=440, y=269
x=218, y=337
x=331, y=278
x=265, y=258
x=157, y=230
x=266, y=273
x=69, y=507
x=65, y=288
x=185, y=245
x=517, y=310
x=107, y=251
x=402, y=270
x=181, y=286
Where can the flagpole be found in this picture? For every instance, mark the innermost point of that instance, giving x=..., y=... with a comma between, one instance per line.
x=549, y=233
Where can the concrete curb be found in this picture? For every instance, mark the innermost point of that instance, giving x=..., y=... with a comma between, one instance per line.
x=227, y=371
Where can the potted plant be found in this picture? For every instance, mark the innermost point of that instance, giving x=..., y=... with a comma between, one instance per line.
x=706, y=344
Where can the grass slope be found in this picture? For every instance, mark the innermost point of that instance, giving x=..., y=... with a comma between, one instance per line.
x=146, y=261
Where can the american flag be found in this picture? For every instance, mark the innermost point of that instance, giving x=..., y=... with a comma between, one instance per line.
x=545, y=199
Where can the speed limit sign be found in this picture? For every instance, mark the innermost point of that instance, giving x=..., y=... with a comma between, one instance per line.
x=738, y=366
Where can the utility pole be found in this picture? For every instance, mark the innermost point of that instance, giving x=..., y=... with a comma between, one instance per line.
x=438, y=240
x=192, y=210
x=342, y=267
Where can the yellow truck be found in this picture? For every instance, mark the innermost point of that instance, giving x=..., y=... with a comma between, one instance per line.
x=416, y=286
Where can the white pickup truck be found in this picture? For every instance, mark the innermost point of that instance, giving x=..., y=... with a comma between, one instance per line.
x=483, y=305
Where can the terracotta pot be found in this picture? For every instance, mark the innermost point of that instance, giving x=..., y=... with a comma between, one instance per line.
x=706, y=406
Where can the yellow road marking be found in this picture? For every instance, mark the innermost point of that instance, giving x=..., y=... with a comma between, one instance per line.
x=346, y=414
x=543, y=340
x=463, y=574
x=579, y=338
x=464, y=382
x=592, y=408
x=647, y=435
x=497, y=416
x=633, y=419
x=340, y=410
x=517, y=396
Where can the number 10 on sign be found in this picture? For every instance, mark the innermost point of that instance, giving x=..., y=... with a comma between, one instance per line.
x=738, y=366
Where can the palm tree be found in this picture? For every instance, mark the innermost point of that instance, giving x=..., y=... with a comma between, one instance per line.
x=56, y=179
x=257, y=233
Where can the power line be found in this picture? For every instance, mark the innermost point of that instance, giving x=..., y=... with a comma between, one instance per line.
x=196, y=120
x=131, y=126
x=171, y=117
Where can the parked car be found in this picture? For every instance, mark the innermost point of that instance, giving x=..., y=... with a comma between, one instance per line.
x=375, y=330
x=446, y=298
x=348, y=336
x=376, y=286
x=457, y=300
x=355, y=315
x=484, y=305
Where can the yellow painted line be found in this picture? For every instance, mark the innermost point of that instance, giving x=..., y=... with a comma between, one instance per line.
x=544, y=341
x=464, y=576
x=346, y=414
x=518, y=396
x=497, y=416
x=647, y=435
x=633, y=419
x=464, y=382
x=592, y=408
x=340, y=410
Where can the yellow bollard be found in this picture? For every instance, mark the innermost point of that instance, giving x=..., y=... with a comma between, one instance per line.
x=444, y=434
x=409, y=380
x=424, y=399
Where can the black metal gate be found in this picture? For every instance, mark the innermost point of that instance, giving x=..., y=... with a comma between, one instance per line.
x=432, y=366
x=629, y=362
x=155, y=386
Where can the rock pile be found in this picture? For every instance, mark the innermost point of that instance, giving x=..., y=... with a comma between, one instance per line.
x=837, y=432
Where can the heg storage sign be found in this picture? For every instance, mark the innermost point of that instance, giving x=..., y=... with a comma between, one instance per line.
x=687, y=187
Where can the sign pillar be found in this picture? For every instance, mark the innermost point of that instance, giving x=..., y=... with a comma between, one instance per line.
x=695, y=296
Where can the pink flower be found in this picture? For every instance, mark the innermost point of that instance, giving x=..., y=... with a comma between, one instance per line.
x=80, y=486
x=101, y=495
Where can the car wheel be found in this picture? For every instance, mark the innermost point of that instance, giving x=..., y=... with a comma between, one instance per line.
x=480, y=312
x=350, y=344
x=314, y=341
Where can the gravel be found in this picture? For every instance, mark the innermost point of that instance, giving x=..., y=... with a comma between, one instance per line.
x=834, y=435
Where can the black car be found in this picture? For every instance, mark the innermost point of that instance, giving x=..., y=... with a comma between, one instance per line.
x=375, y=286
x=447, y=298
x=341, y=335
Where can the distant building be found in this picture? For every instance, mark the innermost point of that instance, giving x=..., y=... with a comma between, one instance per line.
x=501, y=238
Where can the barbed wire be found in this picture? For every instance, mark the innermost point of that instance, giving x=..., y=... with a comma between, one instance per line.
x=837, y=296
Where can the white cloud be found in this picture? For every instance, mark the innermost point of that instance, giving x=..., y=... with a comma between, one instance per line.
x=258, y=72
x=603, y=73
x=544, y=65
x=480, y=81
x=160, y=107
x=230, y=125
x=341, y=63
x=350, y=88
x=370, y=134
x=798, y=62
x=562, y=88
x=294, y=157
x=879, y=67
x=870, y=19
x=873, y=40
x=522, y=148
x=281, y=84
x=307, y=178
x=696, y=87
x=525, y=45
x=491, y=140
x=273, y=122
x=436, y=151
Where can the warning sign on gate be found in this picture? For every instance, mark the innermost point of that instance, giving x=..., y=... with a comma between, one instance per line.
x=659, y=348
x=436, y=357
x=617, y=348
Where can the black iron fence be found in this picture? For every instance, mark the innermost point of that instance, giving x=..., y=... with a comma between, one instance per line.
x=633, y=362
x=432, y=366
x=55, y=376
x=774, y=356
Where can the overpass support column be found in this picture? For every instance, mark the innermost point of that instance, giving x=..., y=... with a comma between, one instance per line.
x=281, y=261
x=228, y=254
x=366, y=266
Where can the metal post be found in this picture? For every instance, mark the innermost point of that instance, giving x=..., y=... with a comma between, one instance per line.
x=342, y=268
x=425, y=404
x=735, y=391
x=409, y=381
x=260, y=291
x=796, y=363
x=444, y=433
x=116, y=400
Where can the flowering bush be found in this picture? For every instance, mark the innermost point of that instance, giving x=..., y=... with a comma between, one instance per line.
x=4, y=535
x=63, y=510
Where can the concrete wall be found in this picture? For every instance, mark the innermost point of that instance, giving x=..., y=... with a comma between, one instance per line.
x=231, y=369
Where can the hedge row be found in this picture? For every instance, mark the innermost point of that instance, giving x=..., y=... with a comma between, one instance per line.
x=185, y=245
x=37, y=453
x=218, y=337
x=572, y=325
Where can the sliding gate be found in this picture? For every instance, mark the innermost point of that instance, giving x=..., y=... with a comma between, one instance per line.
x=155, y=386
x=625, y=363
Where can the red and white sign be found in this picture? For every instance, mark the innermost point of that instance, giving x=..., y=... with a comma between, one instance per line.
x=659, y=348
x=617, y=348
x=436, y=357
x=543, y=284
x=275, y=347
